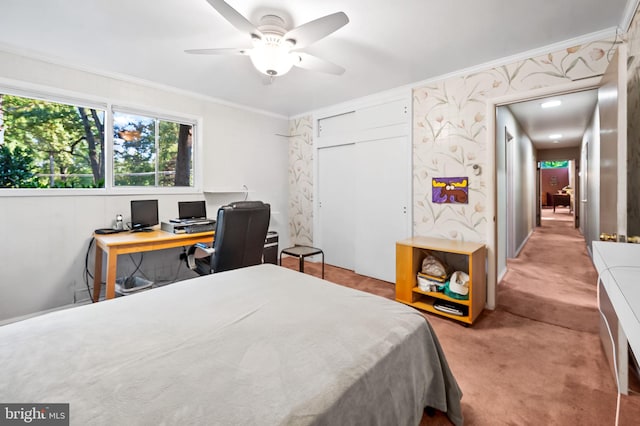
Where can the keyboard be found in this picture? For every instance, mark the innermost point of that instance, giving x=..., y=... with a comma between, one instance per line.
x=450, y=308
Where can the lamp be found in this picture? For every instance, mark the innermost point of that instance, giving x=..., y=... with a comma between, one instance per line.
x=271, y=55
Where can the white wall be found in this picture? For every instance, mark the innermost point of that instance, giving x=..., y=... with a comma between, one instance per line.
x=524, y=190
x=45, y=238
x=590, y=210
x=517, y=204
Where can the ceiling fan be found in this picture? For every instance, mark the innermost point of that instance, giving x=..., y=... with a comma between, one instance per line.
x=275, y=48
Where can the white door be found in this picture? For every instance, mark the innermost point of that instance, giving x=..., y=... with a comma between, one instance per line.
x=581, y=202
x=336, y=204
x=510, y=158
x=612, y=102
x=382, y=170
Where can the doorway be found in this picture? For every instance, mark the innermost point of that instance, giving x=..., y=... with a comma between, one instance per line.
x=520, y=196
x=557, y=192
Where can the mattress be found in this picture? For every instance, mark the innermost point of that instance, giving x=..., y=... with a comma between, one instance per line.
x=262, y=345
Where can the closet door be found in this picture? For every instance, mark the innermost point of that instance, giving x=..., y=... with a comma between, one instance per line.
x=336, y=204
x=381, y=193
x=364, y=187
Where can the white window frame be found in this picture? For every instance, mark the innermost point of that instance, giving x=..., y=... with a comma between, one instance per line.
x=158, y=115
x=108, y=106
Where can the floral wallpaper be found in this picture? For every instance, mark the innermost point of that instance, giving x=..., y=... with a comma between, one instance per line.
x=449, y=128
x=301, y=181
x=449, y=139
x=633, y=127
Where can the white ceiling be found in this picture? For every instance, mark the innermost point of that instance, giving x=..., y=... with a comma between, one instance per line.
x=385, y=45
x=569, y=119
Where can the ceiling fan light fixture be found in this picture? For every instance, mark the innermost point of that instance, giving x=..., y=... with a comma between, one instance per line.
x=273, y=41
x=271, y=59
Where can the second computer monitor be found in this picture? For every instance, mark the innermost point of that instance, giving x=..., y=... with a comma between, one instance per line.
x=192, y=210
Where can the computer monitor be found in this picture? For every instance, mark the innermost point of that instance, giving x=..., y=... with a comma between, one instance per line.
x=144, y=214
x=192, y=210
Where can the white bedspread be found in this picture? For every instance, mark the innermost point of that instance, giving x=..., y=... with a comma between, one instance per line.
x=258, y=346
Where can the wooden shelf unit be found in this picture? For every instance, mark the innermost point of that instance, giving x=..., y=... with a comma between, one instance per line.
x=409, y=256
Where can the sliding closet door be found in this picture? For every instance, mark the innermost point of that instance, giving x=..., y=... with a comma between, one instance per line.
x=364, y=186
x=336, y=204
x=381, y=169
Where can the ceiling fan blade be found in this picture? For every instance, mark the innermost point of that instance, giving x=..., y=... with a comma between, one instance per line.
x=234, y=17
x=313, y=31
x=314, y=63
x=224, y=51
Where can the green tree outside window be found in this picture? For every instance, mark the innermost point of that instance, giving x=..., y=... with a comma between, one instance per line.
x=64, y=142
x=151, y=152
x=48, y=144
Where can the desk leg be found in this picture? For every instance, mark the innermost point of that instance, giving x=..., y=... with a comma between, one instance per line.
x=301, y=263
x=112, y=262
x=97, y=274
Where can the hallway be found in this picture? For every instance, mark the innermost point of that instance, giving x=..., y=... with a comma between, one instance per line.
x=553, y=279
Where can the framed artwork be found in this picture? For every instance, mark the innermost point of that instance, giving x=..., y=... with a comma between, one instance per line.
x=454, y=190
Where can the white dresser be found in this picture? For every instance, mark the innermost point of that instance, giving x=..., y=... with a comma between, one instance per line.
x=618, y=266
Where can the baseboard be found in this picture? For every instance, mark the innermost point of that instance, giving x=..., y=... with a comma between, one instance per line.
x=519, y=249
x=501, y=275
x=35, y=314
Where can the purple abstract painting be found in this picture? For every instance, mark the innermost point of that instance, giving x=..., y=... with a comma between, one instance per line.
x=454, y=190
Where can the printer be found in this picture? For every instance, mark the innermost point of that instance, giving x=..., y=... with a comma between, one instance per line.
x=192, y=218
x=188, y=226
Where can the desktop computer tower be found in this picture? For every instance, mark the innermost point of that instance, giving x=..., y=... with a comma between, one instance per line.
x=270, y=253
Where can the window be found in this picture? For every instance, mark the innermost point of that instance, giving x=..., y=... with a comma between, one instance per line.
x=150, y=151
x=554, y=164
x=55, y=141
x=46, y=144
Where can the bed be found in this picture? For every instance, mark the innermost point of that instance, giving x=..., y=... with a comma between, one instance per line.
x=263, y=345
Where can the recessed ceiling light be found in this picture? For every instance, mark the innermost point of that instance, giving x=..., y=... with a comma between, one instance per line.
x=551, y=104
x=555, y=136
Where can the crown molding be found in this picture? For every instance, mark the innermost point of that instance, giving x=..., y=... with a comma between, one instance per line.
x=628, y=14
x=540, y=51
x=54, y=60
x=595, y=36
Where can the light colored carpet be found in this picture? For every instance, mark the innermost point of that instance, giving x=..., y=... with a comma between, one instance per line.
x=536, y=359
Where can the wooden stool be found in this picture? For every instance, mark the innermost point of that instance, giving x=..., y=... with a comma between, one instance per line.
x=301, y=252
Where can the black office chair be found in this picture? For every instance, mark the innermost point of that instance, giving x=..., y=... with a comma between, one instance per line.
x=241, y=229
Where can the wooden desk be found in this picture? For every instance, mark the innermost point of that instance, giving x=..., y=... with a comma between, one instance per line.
x=561, y=200
x=136, y=242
